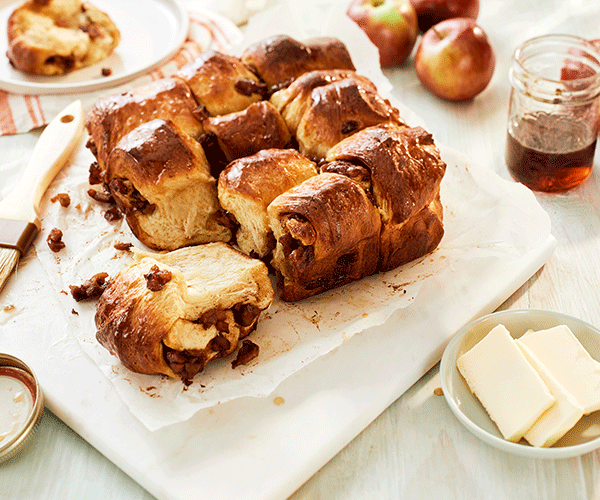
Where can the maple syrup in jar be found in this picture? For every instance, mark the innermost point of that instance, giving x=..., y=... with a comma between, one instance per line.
x=554, y=112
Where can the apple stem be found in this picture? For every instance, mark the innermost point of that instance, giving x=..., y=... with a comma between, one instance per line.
x=377, y=3
x=437, y=33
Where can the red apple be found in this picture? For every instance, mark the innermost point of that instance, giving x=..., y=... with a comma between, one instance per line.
x=455, y=60
x=431, y=12
x=390, y=24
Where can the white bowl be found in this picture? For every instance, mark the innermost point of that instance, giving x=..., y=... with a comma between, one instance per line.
x=582, y=438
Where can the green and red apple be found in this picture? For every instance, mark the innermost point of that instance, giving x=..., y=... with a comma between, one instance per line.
x=390, y=24
x=455, y=59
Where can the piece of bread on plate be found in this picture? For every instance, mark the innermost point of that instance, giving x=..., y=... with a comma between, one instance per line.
x=172, y=313
x=54, y=37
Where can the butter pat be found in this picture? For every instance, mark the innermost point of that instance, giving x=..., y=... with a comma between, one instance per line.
x=508, y=387
x=572, y=366
x=561, y=416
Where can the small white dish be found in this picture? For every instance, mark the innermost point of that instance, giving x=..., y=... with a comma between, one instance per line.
x=151, y=32
x=582, y=438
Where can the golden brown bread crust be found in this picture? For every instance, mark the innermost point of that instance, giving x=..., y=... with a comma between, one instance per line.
x=53, y=37
x=323, y=108
x=418, y=235
x=161, y=180
x=221, y=83
x=327, y=234
x=209, y=298
x=401, y=169
x=114, y=116
x=280, y=59
x=248, y=185
x=292, y=101
x=258, y=127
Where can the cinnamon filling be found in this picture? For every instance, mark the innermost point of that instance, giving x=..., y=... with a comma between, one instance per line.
x=189, y=362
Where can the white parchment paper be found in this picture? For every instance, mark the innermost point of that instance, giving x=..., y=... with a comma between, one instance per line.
x=483, y=220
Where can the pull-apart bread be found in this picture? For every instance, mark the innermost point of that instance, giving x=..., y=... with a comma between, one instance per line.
x=321, y=108
x=286, y=153
x=243, y=133
x=327, y=234
x=161, y=181
x=248, y=186
x=401, y=170
x=53, y=37
x=221, y=83
x=172, y=313
x=280, y=59
x=114, y=116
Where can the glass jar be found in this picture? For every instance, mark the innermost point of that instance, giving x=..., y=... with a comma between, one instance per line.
x=554, y=112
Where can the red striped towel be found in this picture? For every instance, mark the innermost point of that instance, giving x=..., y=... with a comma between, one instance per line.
x=22, y=113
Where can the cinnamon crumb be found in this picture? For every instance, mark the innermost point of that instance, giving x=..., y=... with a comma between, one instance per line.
x=124, y=247
x=157, y=278
x=55, y=241
x=63, y=198
x=101, y=197
x=113, y=214
x=247, y=352
x=90, y=289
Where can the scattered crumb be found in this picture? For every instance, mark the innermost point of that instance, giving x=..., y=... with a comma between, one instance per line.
x=247, y=352
x=63, y=198
x=95, y=172
x=101, y=196
x=90, y=289
x=278, y=401
x=74, y=312
x=10, y=308
x=106, y=71
x=113, y=214
x=125, y=247
x=438, y=391
x=55, y=241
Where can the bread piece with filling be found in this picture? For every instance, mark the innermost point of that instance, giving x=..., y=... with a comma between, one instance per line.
x=54, y=37
x=221, y=83
x=161, y=180
x=401, y=170
x=327, y=234
x=258, y=127
x=248, y=185
x=279, y=59
x=322, y=108
x=172, y=313
x=114, y=116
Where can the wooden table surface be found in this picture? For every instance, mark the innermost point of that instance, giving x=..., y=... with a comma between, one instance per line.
x=416, y=448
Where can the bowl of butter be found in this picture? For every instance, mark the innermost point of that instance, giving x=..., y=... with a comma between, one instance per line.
x=527, y=381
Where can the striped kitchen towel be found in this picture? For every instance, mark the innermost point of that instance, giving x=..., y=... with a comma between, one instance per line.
x=208, y=30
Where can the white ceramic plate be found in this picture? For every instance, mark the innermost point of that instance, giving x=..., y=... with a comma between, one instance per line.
x=583, y=438
x=151, y=32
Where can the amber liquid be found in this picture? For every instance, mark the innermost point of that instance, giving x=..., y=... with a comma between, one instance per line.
x=552, y=160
